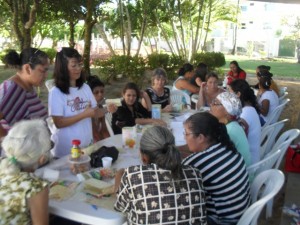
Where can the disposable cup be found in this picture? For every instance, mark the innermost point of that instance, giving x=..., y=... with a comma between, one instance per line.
x=106, y=162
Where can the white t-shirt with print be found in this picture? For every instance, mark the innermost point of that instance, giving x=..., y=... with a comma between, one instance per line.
x=68, y=105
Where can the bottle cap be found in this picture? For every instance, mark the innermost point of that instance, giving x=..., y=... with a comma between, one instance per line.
x=76, y=142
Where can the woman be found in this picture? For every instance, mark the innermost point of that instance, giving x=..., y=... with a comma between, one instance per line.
x=225, y=178
x=18, y=99
x=185, y=74
x=273, y=86
x=267, y=98
x=200, y=74
x=236, y=72
x=131, y=112
x=158, y=93
x=71, y=103
x=209, y=90
x=227, y=108
x=26, y=146
x=161, y=191
x=249, y=116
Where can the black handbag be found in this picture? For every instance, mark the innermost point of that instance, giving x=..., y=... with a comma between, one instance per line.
x=96, y=157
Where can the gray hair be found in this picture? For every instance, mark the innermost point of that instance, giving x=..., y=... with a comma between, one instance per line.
x=24, y=144
x=159, y=73
x=158, y=143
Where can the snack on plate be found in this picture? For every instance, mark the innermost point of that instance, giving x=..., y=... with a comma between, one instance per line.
x=98, y=187
x=60, y=193
x=107, y=173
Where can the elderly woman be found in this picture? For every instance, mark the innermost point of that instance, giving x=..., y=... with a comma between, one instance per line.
x=161, y=191
x=225, y=178
x=209, y=90
x=158, y=93
x=227, y=108
x=26, y=146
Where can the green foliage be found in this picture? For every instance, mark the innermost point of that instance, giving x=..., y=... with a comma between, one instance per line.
x=156, y=60
x=50, y=52
x=211, y=59
x=287, y=47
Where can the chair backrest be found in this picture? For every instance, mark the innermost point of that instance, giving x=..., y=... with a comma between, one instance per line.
x=264, y=187
x=282, y=97
x=283, y=142
x=108, y=119
x=282, y=90
x=268, y=136
x=177, y=97
x=264, y=164
x=49, y=84
x=276, y=113
x=169, y=86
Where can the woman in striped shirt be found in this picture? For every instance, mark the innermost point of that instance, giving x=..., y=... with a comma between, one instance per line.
x=225, y=179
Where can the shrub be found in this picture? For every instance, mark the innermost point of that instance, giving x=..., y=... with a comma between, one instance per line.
x=156, y=60
x=211, y=59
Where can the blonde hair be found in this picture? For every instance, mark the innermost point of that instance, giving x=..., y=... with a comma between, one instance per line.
x=24, y=144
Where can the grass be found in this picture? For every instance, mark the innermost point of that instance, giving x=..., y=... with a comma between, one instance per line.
x=285, y=68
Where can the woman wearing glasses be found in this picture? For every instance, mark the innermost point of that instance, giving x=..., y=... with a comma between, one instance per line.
x=71, y=103
x=18, y=99
x=225, y=178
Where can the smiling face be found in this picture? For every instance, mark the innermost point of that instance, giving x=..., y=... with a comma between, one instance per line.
x=74, y=68
x=159, y=82
x=233, y=68
x=130, y=97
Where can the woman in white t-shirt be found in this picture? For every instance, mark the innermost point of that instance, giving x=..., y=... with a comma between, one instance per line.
x=249, y=116
x=267, y=98
x=71, y=103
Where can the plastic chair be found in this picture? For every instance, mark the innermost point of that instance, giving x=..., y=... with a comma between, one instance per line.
x=276, y=113
x=49, y=84
x=282, y=90
x=177, y=97
x=194, y=98
x=108, y=119
x=268, y=136
x=264, y=187
x=282, y=97
x=169, y=86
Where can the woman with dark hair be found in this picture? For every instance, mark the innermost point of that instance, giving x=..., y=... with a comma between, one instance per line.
x=209, y=90
x=131, y=112
x=236, y=72
x=161, y=191
x=71, y=103
x=18, y=99
x=273, y=86
x=200, y=74
x=249, y=115
x=225, y=178
x=267, y=98
x=182, y=83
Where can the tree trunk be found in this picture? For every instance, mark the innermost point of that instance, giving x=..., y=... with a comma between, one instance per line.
x=122, y=25
x=195, y=45
x=181, y=30
x=128, y=31
x=105, y=39
x=72, y=34
x=233, y=52
x=143, y=28
x=208, y=22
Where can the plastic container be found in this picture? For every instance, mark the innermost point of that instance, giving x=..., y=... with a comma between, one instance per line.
x=80, y=165
x=156, y=111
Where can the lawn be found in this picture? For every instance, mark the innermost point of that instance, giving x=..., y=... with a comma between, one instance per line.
x=285, y=68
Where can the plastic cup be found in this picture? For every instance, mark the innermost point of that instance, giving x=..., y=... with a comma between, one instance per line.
x=106, y=162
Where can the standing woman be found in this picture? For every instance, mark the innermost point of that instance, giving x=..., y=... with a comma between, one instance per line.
x=158, y=93
x=236, y=72
x=182, y=83
x=71, y=103
x=18, y=99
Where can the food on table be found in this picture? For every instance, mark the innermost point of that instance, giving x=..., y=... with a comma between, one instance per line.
x=98, y=187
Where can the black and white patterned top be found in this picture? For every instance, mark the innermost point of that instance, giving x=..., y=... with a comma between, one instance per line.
x=163, y=100
x=149, y=195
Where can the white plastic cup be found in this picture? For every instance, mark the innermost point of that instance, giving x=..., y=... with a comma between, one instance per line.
x=106, y=162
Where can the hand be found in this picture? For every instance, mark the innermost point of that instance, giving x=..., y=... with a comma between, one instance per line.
x=111, y=107
x=118, y=178
x=159, y=122
x=168, y=108
x=198, y=81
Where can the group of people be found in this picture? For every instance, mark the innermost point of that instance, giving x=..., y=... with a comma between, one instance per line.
x=210, y=186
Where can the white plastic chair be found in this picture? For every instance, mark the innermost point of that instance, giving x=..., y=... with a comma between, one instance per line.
x=169, y=87
x=264, y=187
x=268, y=136
x=49, y=84
x=194, y=98
x=108, y=119
x=277, y=112
x=282, y=90
x=282, y=97
x=177, y=96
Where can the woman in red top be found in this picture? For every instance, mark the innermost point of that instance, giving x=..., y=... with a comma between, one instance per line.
x=236, y=72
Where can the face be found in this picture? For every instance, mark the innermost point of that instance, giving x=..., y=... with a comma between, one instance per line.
x=39, y=74
x=74, y=68
x=195, y=142
x=159, y=82
x=218, y=110
x=130, y=96
x=212, y=83
x=189, y=74
x=98, y=93
x=233, y=68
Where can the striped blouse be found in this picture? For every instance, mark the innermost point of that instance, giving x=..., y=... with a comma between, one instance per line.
x=225, y=181
x=17, y=104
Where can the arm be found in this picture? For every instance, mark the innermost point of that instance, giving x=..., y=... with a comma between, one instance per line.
x=3, y=132
x=201, y=98
x=185, y=85
x=145, y=121
x=264, y=108
x=38, y=205
x=146, y=102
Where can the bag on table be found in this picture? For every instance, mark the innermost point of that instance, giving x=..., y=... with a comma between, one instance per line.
x=96, y=157
x=292, y=159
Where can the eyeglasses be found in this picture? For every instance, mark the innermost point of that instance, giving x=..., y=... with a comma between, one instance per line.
x=186, y=134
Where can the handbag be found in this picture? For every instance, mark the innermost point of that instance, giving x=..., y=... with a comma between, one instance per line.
x=292, y=159
x=96, y=157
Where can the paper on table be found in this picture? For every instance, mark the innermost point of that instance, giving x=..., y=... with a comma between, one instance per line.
x=183, y=117
x=177, y=130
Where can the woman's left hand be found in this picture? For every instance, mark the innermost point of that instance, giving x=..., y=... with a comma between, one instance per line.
x=118, y=177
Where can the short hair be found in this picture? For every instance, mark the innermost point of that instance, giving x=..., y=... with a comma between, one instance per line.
x=187, y=67
x=24, y=144
x=93, y=81
x=201, y=71
x=158, y=73
x=211, y=74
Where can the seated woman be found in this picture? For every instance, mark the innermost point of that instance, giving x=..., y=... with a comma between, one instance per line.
x=161, y=191
x=209, y=90
x=267, y=98
x=235, y=72
x=200, y=73
x=273, y=86
x=26, y=146
x=227, y=108
x=131, y=112
x=158, y=93
x=185, y=74
x=225, y=178
x=249, y=116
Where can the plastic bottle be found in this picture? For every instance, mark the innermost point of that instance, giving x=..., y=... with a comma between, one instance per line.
x=75, y=150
